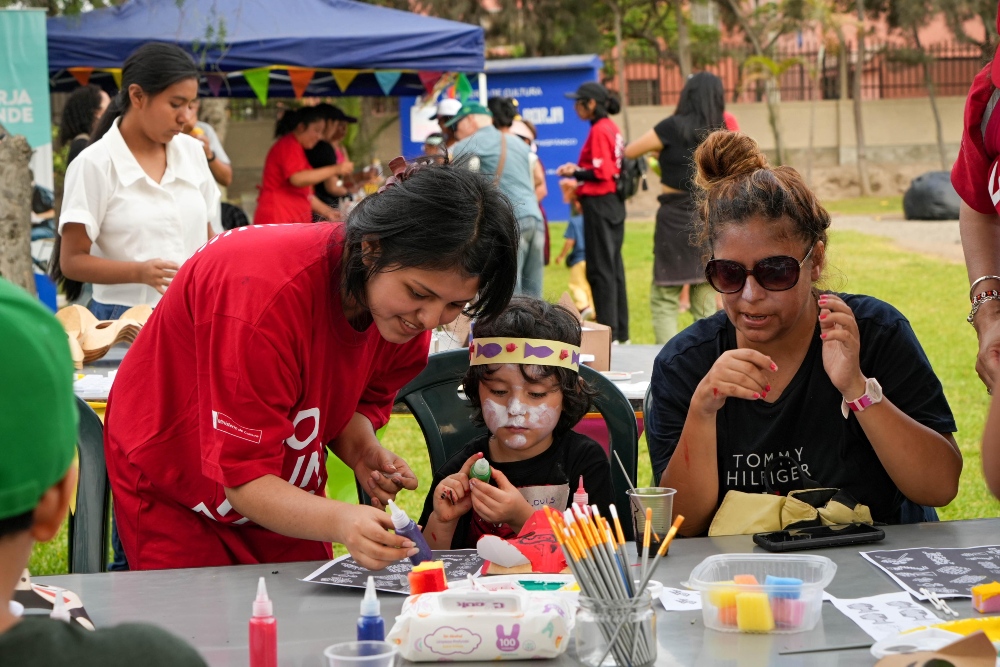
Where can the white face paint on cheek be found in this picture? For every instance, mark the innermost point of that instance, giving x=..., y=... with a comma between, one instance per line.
x=516, y=442
x=495, y=415
x=543, y=417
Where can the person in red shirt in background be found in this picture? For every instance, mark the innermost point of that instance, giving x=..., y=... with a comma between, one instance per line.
x=603, y=210
x=286, y=190
x=275, y=343
x=975, y=178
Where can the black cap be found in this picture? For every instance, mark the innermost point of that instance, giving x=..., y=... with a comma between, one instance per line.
x=331, y=112
x=590, y=91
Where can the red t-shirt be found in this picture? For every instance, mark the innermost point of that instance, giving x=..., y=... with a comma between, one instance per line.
x=974, y=174
x=603, y=153
x=279, y=200
x=246, y=368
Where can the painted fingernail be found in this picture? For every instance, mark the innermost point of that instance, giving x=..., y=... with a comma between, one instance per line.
x=756, y=395
x=774, y=366
x=764, y=395
x=822, y=317
x=412, y=552
x=767, y=388
x=407, y=544
x=823, y=336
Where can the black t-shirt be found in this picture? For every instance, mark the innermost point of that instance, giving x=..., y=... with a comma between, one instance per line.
x=677, y=156
x=323, y=155
x=550, y=479
x=805, y=422
x=46, y=642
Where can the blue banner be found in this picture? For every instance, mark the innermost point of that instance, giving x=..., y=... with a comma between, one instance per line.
x=539, y=85
x=24, y=85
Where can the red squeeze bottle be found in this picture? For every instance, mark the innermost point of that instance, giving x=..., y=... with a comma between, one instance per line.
x=263, y=630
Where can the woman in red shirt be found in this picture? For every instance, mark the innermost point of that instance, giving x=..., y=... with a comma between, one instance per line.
x=225, y=408
x=286, y=191
x=603, y=210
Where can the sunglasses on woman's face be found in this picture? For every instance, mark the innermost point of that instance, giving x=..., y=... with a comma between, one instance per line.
x=775, y=274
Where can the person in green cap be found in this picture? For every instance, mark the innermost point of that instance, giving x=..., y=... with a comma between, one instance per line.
x=38, y=425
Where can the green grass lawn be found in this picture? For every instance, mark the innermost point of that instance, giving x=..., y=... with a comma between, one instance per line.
x=931, y=293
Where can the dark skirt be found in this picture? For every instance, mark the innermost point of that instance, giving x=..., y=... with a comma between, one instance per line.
x=676, y=260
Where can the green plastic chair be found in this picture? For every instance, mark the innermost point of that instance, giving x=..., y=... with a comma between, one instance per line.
x=444, y=418
x=89, y=527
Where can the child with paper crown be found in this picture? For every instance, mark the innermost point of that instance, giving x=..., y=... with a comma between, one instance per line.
x=524, y=385
x=38, y=424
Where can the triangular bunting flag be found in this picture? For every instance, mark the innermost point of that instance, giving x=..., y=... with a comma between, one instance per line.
x=386, y=80
x=344, y=77
x=429, y=79
x=214, y=82
x=81, y=74
x=300, y=80
x=258, y=79
x=116, y=74
x=463, y=88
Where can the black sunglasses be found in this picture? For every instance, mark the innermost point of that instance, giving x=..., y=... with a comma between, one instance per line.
x=775, y=274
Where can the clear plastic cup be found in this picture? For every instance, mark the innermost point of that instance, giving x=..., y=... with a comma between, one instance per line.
x=361, y=654
x=661, y=501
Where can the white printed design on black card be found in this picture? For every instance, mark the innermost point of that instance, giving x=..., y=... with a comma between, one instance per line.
x=945, y=572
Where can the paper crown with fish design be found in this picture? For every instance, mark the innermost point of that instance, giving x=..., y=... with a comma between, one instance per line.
x=531, y=351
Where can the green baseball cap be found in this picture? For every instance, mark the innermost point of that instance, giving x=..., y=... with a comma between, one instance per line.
x=38, y=415
x=468, y=109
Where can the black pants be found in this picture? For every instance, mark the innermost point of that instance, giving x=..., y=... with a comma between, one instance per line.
x=603, y=233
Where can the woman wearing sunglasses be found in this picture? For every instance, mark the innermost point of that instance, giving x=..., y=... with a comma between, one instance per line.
x=837, y=382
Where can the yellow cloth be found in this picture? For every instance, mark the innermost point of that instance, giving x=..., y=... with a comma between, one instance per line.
x=579, y=288
x=748, y=513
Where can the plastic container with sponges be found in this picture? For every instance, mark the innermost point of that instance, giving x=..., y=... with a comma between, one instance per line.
x=762, y=593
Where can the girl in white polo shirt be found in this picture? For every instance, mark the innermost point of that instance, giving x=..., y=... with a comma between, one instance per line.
x=141, y=198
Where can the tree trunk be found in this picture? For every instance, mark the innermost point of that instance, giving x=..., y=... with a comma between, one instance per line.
x=859, y=129
x=683, y=40
x=622, y=80
x=213, y=111
x=774, y=119
x=842, y=72
x=15, y=212
x=932, y=97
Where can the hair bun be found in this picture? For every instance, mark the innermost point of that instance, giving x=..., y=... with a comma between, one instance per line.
x=724, y=155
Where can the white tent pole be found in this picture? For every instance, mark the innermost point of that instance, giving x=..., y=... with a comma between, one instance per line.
x=482, y=87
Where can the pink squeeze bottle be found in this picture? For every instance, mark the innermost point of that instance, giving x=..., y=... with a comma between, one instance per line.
x=263, y=630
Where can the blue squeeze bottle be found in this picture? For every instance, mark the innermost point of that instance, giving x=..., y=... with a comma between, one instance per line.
x=408, y=528
x=371, y=627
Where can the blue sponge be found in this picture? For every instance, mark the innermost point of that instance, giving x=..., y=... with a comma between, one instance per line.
x=791, y=588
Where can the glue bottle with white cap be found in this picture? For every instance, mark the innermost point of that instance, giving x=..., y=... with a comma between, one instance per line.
x=263, y=630
x=408, y=528
x=371, y=626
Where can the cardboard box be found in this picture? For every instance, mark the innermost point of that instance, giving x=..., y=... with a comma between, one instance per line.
x=596, y=338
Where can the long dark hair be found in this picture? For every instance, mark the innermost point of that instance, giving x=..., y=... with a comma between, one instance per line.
x=292, y=118
x=437, y=216
x=609, y=106
x=78, y=114
x=154, y=67
x=699, y=110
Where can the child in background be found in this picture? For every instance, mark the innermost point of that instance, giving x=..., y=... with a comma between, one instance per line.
x=573, y=252
x=37, y=478
x=524, y=385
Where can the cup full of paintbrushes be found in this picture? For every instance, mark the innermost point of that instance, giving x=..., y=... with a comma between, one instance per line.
x=616, y=624
x=661, y=501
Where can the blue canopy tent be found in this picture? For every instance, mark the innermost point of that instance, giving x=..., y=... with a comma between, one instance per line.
x=364, y=45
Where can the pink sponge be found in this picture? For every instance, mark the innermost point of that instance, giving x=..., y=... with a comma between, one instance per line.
x=986, y=598
x=787, y=613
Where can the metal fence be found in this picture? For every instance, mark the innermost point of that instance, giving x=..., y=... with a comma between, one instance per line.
x=815, y=74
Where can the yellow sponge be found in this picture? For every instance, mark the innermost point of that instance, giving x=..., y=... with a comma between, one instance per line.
x=753, y=612
x=723, y=597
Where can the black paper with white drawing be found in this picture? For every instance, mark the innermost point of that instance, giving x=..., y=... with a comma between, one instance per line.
x=948, y=573
x=345, y=571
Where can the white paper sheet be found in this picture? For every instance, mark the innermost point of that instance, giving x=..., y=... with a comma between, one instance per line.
x=679, y=599
x=883, y=616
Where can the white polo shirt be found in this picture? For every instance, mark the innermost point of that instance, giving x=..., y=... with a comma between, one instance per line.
x=131, y=218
